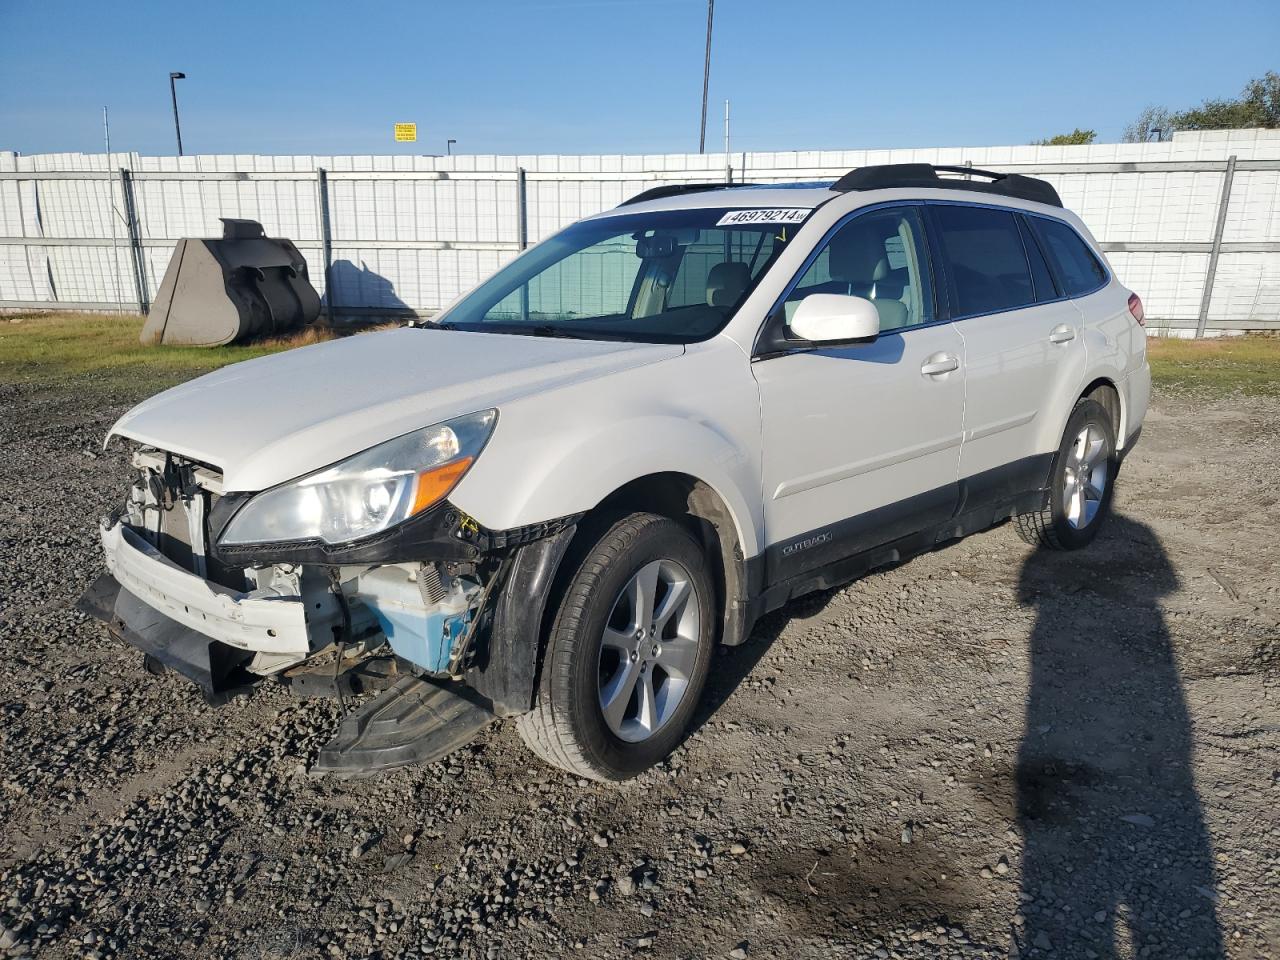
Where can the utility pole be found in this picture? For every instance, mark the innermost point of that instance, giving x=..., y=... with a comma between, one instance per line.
x=173, y=92
x=706, y=77
x=112, y=214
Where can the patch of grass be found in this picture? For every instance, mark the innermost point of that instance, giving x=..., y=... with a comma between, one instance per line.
x=1219, y=367
x=103, y=351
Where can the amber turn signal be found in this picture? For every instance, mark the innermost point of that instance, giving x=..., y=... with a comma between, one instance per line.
x=434, y=484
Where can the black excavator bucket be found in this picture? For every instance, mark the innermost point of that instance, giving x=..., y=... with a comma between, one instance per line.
x=236, y=288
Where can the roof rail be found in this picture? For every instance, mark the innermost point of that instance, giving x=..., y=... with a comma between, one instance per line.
x=678, y=190
x=926, y=175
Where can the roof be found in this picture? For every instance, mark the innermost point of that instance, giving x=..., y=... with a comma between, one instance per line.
x=715, y=196
x=911, y=176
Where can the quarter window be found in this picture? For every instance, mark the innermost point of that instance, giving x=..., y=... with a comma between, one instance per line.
x=987, y=267
x=1078, y=269
x=1041, y=278
x=880, y=256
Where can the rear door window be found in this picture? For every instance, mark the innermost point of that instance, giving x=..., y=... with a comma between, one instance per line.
x=1078, y=269
x=987, y=269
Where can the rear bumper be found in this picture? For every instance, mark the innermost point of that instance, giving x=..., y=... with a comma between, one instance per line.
x=247, y=621
x=1138, y=397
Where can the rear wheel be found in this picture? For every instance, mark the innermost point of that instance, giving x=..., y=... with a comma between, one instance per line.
x=1084, y=473
x=627, y=655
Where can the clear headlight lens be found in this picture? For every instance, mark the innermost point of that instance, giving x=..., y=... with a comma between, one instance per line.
x=369, y=492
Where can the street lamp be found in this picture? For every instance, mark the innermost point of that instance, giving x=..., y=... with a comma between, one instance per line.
x=706, y=77
x=173, y=92
x=448, y=147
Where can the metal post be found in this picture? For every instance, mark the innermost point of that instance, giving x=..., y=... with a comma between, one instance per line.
x=522, y=209
x=706, y=77
x=522, y=232
x=326, y=240
x=135, y=240
x=728, y=167
x=1218, y=228
x=173, y=92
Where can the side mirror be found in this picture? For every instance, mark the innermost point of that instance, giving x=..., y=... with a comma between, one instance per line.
x=835, y=318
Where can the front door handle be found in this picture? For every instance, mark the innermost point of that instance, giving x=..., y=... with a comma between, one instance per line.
x=938, y=364
x=1062, y=333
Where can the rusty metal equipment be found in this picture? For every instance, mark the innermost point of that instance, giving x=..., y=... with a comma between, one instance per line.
x=239, y=287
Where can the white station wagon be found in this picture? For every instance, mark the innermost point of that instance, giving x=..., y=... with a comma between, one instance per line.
x=554, y=499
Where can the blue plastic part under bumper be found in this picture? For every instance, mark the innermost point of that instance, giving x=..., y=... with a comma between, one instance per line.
x=425, y=639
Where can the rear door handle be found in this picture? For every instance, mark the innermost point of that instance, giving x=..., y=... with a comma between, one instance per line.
x=938, y=364
x=1062, y=333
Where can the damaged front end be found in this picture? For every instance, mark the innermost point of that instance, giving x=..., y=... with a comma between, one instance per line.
x=423, y=610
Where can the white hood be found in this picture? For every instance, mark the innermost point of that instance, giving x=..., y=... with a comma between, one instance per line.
x=276, y=418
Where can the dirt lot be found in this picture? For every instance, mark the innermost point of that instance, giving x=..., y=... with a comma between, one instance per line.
x=985, y=752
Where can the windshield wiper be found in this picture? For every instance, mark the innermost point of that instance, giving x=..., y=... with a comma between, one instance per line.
x=547, y=330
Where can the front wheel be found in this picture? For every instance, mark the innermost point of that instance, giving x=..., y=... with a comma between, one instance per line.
x=628, y=653
x=1084, y=474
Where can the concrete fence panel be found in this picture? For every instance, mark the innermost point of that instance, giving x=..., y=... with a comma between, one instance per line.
x=397, y=235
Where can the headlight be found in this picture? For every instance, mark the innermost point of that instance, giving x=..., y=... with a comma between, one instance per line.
x=369, y=492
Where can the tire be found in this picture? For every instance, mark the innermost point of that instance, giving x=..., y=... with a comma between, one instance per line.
x=1074, y=514
x=594, y=650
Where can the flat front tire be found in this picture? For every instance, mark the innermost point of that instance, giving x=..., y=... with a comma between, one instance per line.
x=627, y=654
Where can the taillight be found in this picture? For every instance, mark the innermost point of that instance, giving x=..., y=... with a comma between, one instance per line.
x=1135, y=308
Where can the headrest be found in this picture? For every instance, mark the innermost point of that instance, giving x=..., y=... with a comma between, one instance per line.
x=726, y=283
x=857, y=255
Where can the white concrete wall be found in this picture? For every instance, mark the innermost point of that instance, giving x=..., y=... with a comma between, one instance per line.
x=471, y=212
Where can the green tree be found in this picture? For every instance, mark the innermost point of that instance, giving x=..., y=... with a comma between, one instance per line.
x=1257, y=106
x=1076, y=138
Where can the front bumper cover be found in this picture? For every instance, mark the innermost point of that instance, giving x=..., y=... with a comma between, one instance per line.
x=249, y=621
x=216, y=668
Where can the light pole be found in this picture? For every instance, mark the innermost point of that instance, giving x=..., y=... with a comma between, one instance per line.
x=173, y=92
x=448, y=147
x=706, y=77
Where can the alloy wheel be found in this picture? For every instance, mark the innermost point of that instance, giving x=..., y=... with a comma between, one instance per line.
x=649, y=650
x=1085, y=477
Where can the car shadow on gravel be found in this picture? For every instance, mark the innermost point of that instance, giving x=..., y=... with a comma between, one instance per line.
x=1116, y=855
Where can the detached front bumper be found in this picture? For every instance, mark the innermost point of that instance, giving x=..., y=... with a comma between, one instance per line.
x=220, y=639
x=268, y=624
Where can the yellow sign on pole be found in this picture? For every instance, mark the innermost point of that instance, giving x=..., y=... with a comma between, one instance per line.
x=406, y=133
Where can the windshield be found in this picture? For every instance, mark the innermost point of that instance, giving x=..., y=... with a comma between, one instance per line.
x=666, y=276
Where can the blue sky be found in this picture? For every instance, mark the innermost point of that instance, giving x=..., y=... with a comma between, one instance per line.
x=608, y=76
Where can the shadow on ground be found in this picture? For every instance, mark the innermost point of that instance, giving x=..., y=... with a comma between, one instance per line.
x=1116, y=856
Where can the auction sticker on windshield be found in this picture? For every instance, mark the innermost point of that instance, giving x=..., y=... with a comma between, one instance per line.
x=765, y=215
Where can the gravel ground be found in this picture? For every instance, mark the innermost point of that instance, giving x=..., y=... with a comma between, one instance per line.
x=986, y=752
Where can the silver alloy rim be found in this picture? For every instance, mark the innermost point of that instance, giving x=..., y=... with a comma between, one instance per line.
x=649, y=650
x=1085, y=478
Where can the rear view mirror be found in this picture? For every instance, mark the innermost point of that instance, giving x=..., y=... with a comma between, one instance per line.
x=835, y=318
x=656, y=248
